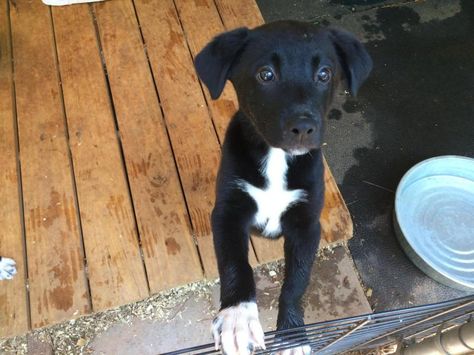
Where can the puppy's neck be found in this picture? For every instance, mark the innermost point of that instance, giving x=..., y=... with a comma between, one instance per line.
x=250, y=133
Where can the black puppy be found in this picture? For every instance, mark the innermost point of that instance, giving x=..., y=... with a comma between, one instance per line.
x=271, y=173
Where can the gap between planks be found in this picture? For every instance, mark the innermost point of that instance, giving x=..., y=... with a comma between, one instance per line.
x=48, y=199
x=197, y=35
x=212, y=108
x=74, y=185
x=127, y=38
x=14, y=297
x=188, y=219
x=192, y=136
x=117, y=273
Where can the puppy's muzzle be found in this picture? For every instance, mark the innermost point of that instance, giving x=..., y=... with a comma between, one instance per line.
x=302, y=129
x=301, y=134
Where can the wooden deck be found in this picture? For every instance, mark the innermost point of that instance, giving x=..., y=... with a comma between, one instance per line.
x=109, y=148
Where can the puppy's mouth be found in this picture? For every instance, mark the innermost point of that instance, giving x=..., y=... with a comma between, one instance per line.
x=279, y=140
x=297, y=151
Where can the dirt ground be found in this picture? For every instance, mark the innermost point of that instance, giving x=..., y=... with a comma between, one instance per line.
x=150, y=326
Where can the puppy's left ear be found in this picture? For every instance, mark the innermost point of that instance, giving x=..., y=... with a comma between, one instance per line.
x=214, y=62
x=353, y=57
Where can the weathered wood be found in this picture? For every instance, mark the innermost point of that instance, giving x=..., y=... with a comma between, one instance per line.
x=242, y=13
x=170, y=254
x=115, y=268
x=268, y=249
x=170, y=154
x=192, y=136
x=13, y=301
x=201, y=22
x=336, y=222
x=57, y=282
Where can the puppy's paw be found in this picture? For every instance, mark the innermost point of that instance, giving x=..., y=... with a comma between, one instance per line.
x=299, y=350
x=238, y=329
x=7, y=268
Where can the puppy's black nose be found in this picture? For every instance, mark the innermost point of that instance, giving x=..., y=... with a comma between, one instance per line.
x=303, y=127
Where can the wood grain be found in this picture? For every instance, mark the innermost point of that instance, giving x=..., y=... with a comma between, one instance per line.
x=201, y=22
x=13, y=301
x=336, y=222
x=116, y=272
x=268, y=250
x=193, y=138
x=170, y=254
x=242, y=13
x=150, y=184
x=57, y=282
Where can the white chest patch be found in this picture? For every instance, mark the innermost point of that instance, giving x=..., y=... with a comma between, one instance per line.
x=274, y=199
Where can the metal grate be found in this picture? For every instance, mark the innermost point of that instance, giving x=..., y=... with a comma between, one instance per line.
x=365, y=331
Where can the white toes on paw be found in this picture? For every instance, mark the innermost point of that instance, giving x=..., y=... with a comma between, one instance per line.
x=238, y=330
x=7, y=268
x=299, y=350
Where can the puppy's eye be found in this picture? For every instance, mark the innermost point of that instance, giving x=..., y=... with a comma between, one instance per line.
x=266, y=75
x=324, y=75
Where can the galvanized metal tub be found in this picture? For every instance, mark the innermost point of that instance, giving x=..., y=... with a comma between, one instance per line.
x=434, y=219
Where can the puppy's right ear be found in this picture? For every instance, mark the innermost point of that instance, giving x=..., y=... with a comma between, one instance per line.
x=214, y=62
x=353, y=57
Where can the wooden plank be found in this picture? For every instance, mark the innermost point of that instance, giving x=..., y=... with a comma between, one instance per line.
x=336, y=223
x=193, y=138
x=170, y=253
x=57, y=282
x=239, y=13
x=201, y=22
x=116, y=272
x=268, y=249
x=13, y=301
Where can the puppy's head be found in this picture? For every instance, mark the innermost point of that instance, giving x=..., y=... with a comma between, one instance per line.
x=284, y=74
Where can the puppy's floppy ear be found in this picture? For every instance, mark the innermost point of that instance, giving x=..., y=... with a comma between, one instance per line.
x=353, y=57
x=214, y=62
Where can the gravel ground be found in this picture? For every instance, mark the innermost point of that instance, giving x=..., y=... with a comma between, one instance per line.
x=74, y=336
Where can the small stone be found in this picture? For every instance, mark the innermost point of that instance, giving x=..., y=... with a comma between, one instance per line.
x=272, y=273
x=81, y=342
x=368, y=292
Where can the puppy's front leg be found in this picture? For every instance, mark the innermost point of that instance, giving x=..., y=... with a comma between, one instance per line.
x=236, y=326
x=301, y=243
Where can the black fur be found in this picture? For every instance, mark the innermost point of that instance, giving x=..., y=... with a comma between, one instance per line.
x=214, y=62
x=353, y=57
x=267, y=116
